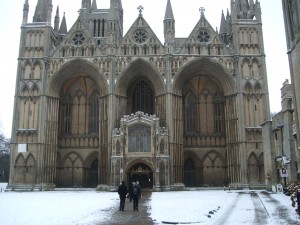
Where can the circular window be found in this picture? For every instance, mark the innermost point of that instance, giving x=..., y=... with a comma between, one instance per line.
x=140, y=36
x=78, y=39
x=203, y=36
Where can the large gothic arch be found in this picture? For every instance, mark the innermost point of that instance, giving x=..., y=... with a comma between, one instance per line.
x=76, y=68
x=208, y=67
x=140, y=69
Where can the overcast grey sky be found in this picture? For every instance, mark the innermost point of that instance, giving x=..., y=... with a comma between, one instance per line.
x=186, y=13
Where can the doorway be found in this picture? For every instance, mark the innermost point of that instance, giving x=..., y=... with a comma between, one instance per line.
x=143, y=174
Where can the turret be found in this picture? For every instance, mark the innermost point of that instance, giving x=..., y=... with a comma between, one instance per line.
x=43, y=11
x=85, y=4
x=223, y=28
x=169, y=24
x=56, y=20
x=63, y=27
x=94, y=5
x=25, y=12
x=244, y=9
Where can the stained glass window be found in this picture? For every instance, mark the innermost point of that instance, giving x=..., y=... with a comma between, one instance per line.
x=139, y=136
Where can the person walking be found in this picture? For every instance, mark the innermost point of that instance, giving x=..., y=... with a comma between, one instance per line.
x=122, y=191
x=135, y=197
x=130, y=191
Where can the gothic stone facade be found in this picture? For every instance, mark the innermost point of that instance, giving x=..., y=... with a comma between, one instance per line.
x=94, y=107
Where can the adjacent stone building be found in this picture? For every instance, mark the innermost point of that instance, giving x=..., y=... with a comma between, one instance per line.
x=94, y=106
x=291, y=12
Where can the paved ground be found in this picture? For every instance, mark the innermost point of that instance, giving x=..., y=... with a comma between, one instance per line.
x=141, y=217
x=129, y=216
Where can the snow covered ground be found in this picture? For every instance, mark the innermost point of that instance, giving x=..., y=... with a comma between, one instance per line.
x=194, y=207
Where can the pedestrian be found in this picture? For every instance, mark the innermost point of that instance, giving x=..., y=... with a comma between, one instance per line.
x=140, y=189
x=130, y=191
x=122, y=191
x=135, y=197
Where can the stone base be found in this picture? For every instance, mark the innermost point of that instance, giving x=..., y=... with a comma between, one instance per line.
x=177, y=187
x=103, y=187
x=30, y=187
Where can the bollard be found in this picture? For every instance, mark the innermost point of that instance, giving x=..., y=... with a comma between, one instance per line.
x=298, y=201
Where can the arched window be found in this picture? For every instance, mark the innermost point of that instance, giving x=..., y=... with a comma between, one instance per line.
x=139, y=138
x=67, y=114
x=94, y=114
x=189, y=173
x=218, y=113
x=142, y=98
x=190, y=114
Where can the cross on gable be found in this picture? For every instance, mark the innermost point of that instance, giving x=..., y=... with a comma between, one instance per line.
x=140, y=8
x=202, y=10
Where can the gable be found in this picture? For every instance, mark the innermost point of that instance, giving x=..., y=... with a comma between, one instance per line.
x=76, y=42
x=140, y=33
x=203, y=34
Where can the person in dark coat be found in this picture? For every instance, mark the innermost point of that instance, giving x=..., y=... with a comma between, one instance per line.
x=122, y=191
x=130, y=191
x=135, y=193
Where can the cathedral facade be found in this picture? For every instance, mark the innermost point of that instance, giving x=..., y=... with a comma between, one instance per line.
x=94, y=106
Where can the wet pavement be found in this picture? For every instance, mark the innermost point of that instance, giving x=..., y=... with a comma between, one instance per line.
x=142, y=217
x=129, y=216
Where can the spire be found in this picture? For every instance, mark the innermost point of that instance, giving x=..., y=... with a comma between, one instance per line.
x=25, y=12
x=223, y=29
x=169, y=11
x=112, y=15
x=244, y=5
x=43, y=11
x=86, y=4
x=94, y=5
x=63, y=26
x=169, y=26
x=56, y=20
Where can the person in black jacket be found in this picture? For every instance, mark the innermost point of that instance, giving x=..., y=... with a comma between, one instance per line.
x=135, y=193
x=122, y=191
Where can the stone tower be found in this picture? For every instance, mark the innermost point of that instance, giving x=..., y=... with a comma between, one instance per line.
x=94, y=106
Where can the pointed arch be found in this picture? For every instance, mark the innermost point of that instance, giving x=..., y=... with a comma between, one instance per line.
x=253, y=172
x=72, y=170
x=208, y=66
x=213, y=169
x=25, y=91
x=258, y=88
x=246, y=67
x=30, y=177
x=256, y=67
x=136, y=70
x=248, y=88
x=37, y=69
x=27, y=70
x=189, y=173
x=20, y=169
x=74, y=69
x=34, y=90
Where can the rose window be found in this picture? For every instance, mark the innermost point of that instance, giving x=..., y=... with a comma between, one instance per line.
x=78, y=39
x=203, y=36
x=140, y=36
